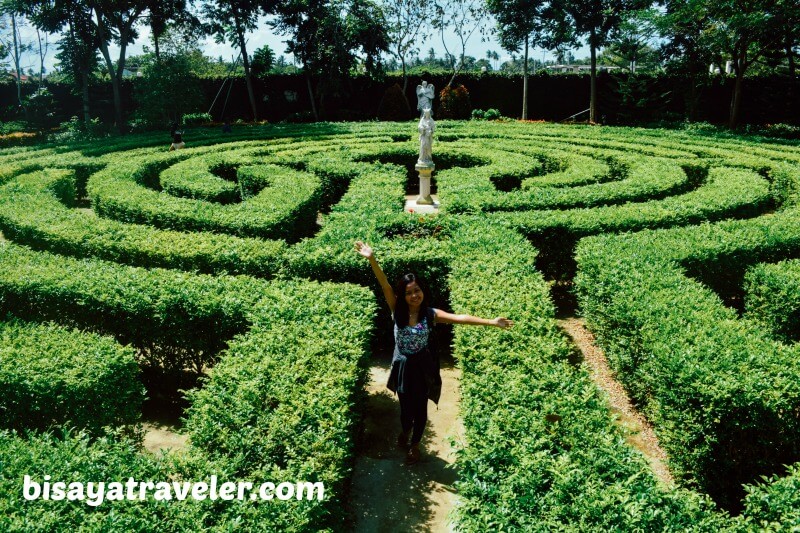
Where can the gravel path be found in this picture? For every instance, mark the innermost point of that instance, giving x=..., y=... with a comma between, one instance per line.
x=642, y=437
x=387, y=495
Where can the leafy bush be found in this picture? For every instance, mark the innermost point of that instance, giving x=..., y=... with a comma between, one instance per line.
x=698, y=372
x=196, y=119
x=34, y=210
x=489, y=114
x=76, y=129
x=167, y=90
x=772, y=298
x=50, y=376
x=394, y=105
x=454, y=103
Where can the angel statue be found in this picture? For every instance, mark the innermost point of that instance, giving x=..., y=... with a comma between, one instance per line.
x=424, y=97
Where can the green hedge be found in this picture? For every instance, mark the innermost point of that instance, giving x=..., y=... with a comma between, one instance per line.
x=77, y=458
x=772, y=298
x=774, y=504
x=719, y=392
x=50, y=376
x=542, y=450
x=286, y=210
x=34, y=211
x=174, y=319
x=281, y=403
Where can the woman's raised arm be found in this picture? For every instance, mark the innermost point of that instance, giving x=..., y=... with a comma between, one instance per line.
x=388, y=293
x=443, y=317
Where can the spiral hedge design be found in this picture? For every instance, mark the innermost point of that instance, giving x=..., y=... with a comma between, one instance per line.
x=236, y=254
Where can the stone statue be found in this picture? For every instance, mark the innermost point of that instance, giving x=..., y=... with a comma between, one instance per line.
x=426, y=128
x=424, y=97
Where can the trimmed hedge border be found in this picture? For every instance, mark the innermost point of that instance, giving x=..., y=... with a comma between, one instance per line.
x=720, y=393
x=51, y=376
x=772, y=298
x=35, y=210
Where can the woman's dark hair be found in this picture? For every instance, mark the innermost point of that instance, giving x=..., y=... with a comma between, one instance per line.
x=401, y=307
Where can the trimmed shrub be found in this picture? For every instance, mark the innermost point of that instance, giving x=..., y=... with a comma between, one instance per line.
x=454, y=103
x=50, y=376
x=394, y=105
x=772, y=298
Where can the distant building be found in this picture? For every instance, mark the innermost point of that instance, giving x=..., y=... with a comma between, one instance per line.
x=22, y=77
x=132, y=71
x=578, y=69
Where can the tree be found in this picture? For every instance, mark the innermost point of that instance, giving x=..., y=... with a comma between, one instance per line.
x=629, y=47
x=263, y=60
x=164, y=14
x=169, y=87
x=685, y=49
x=115, y=20
x=230, y=20
x=327, y=37
x=13, y=43
x=521, y=24
x=406, y=22
x=464, y=17
x=596, y=20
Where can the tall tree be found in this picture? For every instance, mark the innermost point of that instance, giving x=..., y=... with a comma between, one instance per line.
x=522, y=24
x=745, y=31
x=596, y=20
x=464, y=18
x=685, y=48
x=78, y=45
x=230, y=21
x=329, y=38
x=406, y=25
x=115, y=21
x=630, y=46
x=12, y=42
x=162, y=14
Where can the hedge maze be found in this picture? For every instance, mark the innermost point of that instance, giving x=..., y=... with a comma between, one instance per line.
x=234, y=258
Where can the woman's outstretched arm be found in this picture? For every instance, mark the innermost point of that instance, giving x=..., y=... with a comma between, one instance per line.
x=388, y=293
x=443, y=317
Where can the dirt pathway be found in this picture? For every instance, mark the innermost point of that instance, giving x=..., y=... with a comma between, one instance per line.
x=388, y=495
x=642, y=437
x=159, y=437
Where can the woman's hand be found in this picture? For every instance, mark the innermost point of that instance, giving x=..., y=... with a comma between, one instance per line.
x=363, y=249
x=503, y=322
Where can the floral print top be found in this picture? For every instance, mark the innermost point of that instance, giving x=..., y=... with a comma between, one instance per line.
x=412, y=339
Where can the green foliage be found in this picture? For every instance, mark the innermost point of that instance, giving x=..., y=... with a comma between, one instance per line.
x=167, y=90
x=698, y=372
x=541, y=449
x=34, y=210
x=489, y=114
x=50, y=376
x=74, y=457
x=77, y=130
x=174, y=319
x=774, y=504
x=282, y=400
x=287, y=209
x=290, y=355
x=772, y=298
x=394, y=105
x=454, y=103
x=262, y=62
x=196, y=119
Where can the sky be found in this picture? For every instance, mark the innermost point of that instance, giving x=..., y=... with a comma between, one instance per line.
x=264, y=35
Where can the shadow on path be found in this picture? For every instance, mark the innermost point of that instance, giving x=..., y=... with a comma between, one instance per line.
x=386, y=494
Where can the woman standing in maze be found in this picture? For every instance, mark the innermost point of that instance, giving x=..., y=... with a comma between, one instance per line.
x=415, y=370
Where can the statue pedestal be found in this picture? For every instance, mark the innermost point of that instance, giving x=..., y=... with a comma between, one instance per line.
x=425, y=169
